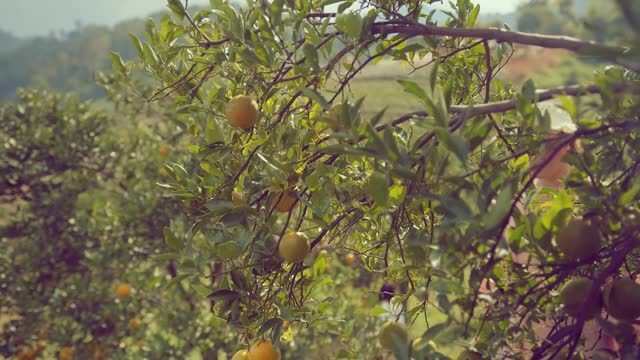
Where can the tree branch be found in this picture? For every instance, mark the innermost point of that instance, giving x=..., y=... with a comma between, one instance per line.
x=502, y=35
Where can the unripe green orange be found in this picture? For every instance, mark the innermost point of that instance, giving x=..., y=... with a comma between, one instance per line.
x=578, y=240
x=622, y=299
x=242, y=112
x=391, y=330
x=575, y=294
x=294, y=246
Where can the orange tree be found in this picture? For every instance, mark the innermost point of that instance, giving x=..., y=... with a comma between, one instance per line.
x=81, y=220
x=425, y=198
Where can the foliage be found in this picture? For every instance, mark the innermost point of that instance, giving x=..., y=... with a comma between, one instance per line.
x=81, y=215
x=424, y=198
x=439, y=200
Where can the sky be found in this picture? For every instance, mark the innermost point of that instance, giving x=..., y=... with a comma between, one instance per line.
x=40, y=17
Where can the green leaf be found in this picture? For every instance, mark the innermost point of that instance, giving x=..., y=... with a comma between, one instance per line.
x=172, y=241
x=350, y=24
x=379, y=188
x=201, y=290
x=497, y=213
x=136, y=45
x=223, y=295
x=529, y=90
x=269, y=324
x=177, y=8
x=117, y=61
x=630, y=195
x=378, y=310
x=228, y=250
x=473, y=16
x=433, y=331
x=165, y=257
x=315, y=96
x=457, y=145
x=414, y=89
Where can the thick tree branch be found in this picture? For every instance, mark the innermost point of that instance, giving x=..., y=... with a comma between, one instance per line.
x=502, y=35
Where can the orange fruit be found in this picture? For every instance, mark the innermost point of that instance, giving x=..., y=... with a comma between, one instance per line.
x=284, y=202
x=294, y=246
x=263, y=350
x=575, y=295
x=29, y=354
x=350, y=258
x=578, y=240
x=622, y=299
x=237, y=199
x=240, y=355
x=242, y=112
x=123, y=290
x=164, y=151
x=135, y=324
x=65, y=353
x=391, y=330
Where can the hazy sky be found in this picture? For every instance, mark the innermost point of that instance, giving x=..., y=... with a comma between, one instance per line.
x=39, y=17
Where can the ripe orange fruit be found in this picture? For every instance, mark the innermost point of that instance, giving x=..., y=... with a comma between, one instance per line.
x=164, y=151
x=240, y=355
x=123, y=290
x=284, y=202
x=29, y=354
x=350, y=258
x=65, y=353
x=263, y=350
x=391, y=330
x=242, y=112
x=237, y=199
x=294, y=246
x=135, y=324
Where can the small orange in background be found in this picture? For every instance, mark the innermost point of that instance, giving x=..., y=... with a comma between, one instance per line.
x=164, y=151
x=123, y=290
x=284, y=202
x=263, y=350
x=65, y=353
x=29, y=354
x=238, y=199
x=350, y=258
x=135, y=324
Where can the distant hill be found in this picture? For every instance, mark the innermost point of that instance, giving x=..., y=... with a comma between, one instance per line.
x=8, y=41
x=66, y=62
